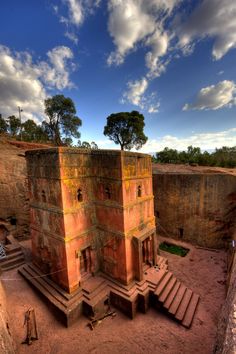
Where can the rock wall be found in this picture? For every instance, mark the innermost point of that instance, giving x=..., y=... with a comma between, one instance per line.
x=14, y=200
x=196, y=207
x=226, y=333
x=14, y=207
x=6, y=341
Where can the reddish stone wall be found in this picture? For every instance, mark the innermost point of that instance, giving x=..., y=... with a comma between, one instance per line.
x=86, y=209
x=226, y=338
x=199, y=208
x=14, y=205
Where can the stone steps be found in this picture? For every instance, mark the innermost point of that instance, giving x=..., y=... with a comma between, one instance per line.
x=40, y=283
x=12, y=260
x=165, y=290
x=163, y=283
x=184, y=305
x=189, y=314
x=179, y=301
x=95, y=290
x=171, y=295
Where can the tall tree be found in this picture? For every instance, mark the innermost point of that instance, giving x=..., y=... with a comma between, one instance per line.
x=14, y=125
x=29, y=129
x=63, y=123
x=126, y=129
x=3, y=125
x=33, y=132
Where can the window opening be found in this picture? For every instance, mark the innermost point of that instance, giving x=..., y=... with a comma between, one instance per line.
x=181, y=232
x=108, y=193
x=43, y=196
x=139, y=191
x=79, y=195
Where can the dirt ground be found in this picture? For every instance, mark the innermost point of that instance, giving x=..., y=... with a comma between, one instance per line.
x=201, y=270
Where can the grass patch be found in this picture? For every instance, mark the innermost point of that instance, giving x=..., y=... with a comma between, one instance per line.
x=171, y=248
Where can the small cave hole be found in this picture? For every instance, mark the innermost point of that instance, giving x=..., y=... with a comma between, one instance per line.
x=13, y=221
x=79, y=195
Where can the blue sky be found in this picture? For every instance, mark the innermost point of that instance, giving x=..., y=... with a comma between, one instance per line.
x=172, y=60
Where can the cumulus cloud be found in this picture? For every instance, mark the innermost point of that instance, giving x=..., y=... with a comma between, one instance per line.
x=78, y=9
x=140, y=22
x=135, y=91
x=135, y=94
x=162, y=28
x=72, y=36
x=214, y=97
x=24, y=83
x=56, y=73
x=133, y=21
x=206, y=141
x=214, y=19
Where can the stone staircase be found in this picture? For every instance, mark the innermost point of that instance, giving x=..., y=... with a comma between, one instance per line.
x=159, y=288
x=14, y=256
x=172, y=295
x=69, y=306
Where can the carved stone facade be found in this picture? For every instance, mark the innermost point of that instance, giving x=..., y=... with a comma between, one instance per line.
x=91, y=211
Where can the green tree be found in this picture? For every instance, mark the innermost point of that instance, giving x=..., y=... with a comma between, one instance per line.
x=67, y=142
x=14, y=125
x=225, y=157
x=94, y=146
x=29, y=129
x=62, y=119
x=167, y=156
x=33, y=132
x=87, y=145
x=193, y=154
x=3, y=125
x=126, y=129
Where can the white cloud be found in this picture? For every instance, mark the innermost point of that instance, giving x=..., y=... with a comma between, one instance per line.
x=135, y=91
x=56, y=73
x=154, y=108
x=78, y=9
x=133, y=21
x=159, y=43
x=214, y=97
x=24, y=83
x=160, y=27
x=206, y=141
x=72, y=36
x=214, y=19
x=135, y=94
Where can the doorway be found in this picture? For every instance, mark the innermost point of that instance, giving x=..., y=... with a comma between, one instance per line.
x=146, y=252
x=85, y=261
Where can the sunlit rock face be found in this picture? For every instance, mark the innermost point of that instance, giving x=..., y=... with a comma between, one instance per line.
x=198, y=206
x=14, y=204
x=91, y=211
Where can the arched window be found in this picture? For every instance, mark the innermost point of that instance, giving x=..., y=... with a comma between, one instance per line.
x=139, y=191
x=107, y=193
x=79, y=195
x=43, y=196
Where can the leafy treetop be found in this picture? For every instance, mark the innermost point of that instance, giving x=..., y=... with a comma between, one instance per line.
x=126, y=129
x=62, y=119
